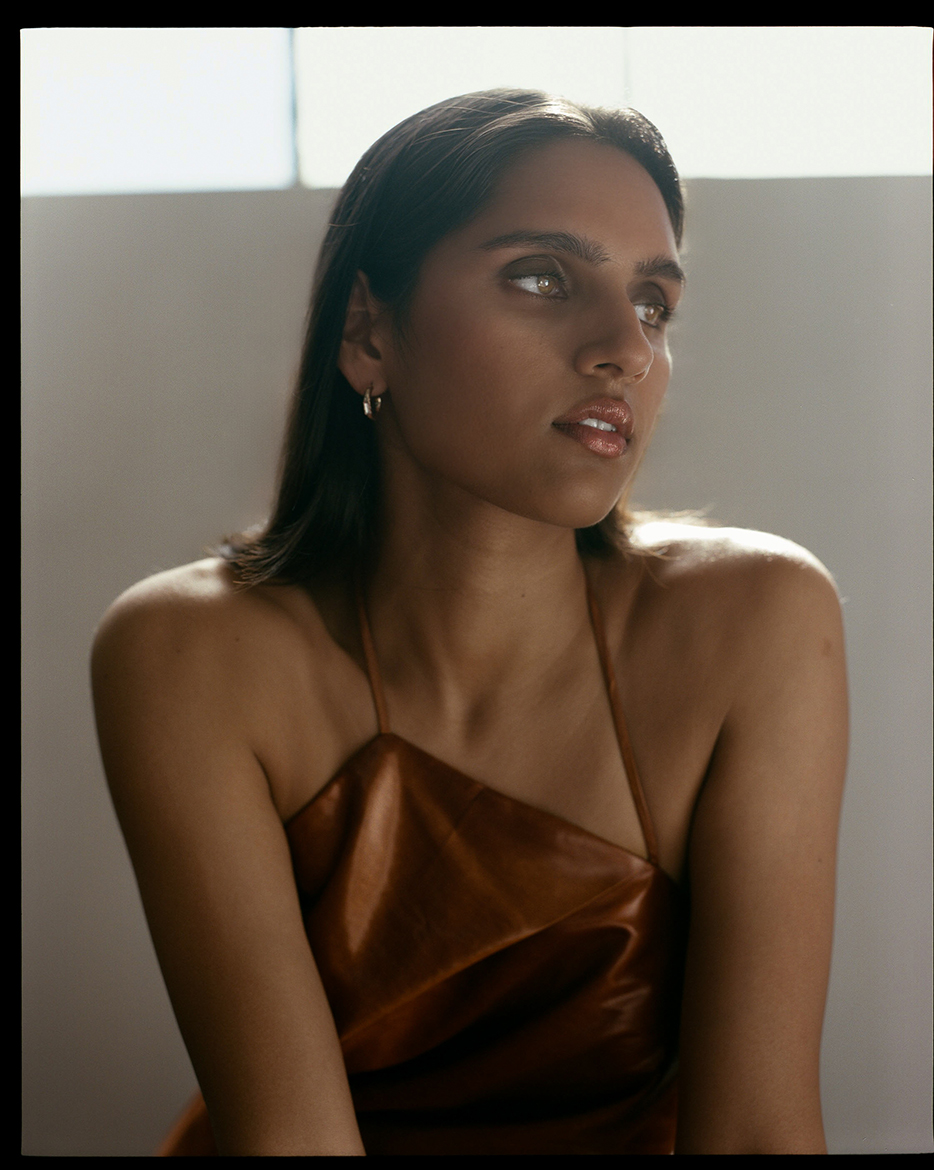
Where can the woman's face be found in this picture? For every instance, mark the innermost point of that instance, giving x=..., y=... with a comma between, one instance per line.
x=535, y=356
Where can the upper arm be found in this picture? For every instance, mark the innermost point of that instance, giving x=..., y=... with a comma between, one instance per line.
x=215, y=876
x=762, y=876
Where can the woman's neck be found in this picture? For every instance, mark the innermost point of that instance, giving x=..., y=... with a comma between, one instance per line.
x=471, y=599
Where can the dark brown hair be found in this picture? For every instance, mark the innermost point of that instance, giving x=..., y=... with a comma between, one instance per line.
x=419, y=182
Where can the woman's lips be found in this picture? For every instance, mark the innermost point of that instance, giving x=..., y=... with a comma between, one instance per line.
x=603, y=426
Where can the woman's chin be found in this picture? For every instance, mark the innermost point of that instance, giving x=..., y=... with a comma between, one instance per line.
x=574, y=518
x=584, y=510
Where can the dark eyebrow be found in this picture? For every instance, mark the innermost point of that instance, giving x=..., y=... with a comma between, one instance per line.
x=662, y=266
x=578, y=246
x=585, y=249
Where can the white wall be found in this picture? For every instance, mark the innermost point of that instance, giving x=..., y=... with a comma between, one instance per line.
x=161, y=332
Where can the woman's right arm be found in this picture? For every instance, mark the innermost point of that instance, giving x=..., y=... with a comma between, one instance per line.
x=173, y=697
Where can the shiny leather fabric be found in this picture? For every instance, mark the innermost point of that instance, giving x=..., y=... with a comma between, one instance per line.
x=502, y=981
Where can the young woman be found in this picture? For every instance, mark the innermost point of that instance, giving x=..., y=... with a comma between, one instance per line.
x=464, y=807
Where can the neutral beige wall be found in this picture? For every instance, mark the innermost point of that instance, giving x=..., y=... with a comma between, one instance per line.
x=161, y=332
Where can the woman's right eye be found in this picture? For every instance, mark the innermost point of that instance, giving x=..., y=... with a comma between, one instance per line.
x=540, y=284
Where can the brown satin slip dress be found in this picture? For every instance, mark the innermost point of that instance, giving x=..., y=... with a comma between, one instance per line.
x=502, y=981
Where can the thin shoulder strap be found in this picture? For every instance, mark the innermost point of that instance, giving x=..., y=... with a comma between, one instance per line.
x=622, y=734
x=372, y=667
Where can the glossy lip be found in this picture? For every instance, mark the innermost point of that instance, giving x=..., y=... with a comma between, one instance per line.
x=614, y=411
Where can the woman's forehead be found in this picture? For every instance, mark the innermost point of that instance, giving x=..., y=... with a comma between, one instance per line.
x=593, y=190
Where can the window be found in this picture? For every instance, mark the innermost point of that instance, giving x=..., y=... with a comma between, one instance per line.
x=178, y=109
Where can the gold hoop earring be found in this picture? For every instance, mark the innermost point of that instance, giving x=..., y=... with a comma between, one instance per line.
x=371, y=405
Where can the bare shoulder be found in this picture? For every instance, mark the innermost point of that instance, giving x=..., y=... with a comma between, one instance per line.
x=188, y=663
x=737, y=576
x=189, y=653
x=696, y=548
x=176, y=654
x=187, y=605
x=196, y=618
x=722, y=619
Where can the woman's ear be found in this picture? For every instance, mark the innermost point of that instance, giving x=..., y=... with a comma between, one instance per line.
x=362, y=352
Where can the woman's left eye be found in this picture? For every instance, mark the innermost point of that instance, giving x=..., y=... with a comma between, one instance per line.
x=541, y=284
x=653, y=315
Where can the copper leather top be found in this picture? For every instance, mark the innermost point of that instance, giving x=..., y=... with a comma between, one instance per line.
x=502, y=980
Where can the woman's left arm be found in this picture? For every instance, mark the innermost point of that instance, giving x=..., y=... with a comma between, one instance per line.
x=762, y=875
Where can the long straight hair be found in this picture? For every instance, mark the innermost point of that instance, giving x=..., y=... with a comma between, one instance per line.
x=422, y=180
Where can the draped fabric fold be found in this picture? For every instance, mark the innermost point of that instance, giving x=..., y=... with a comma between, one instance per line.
x=502, y=981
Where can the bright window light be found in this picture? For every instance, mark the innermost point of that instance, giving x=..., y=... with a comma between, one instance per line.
x=200, y=109
x=732, y=102
x=156, y=109
x=354, y=84
x=756, y=103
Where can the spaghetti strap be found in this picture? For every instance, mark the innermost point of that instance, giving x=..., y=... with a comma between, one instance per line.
x=622, y=734
x=619, y=721
x=372, y=668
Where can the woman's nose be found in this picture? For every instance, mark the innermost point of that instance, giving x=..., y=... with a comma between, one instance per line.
x=617, y=347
